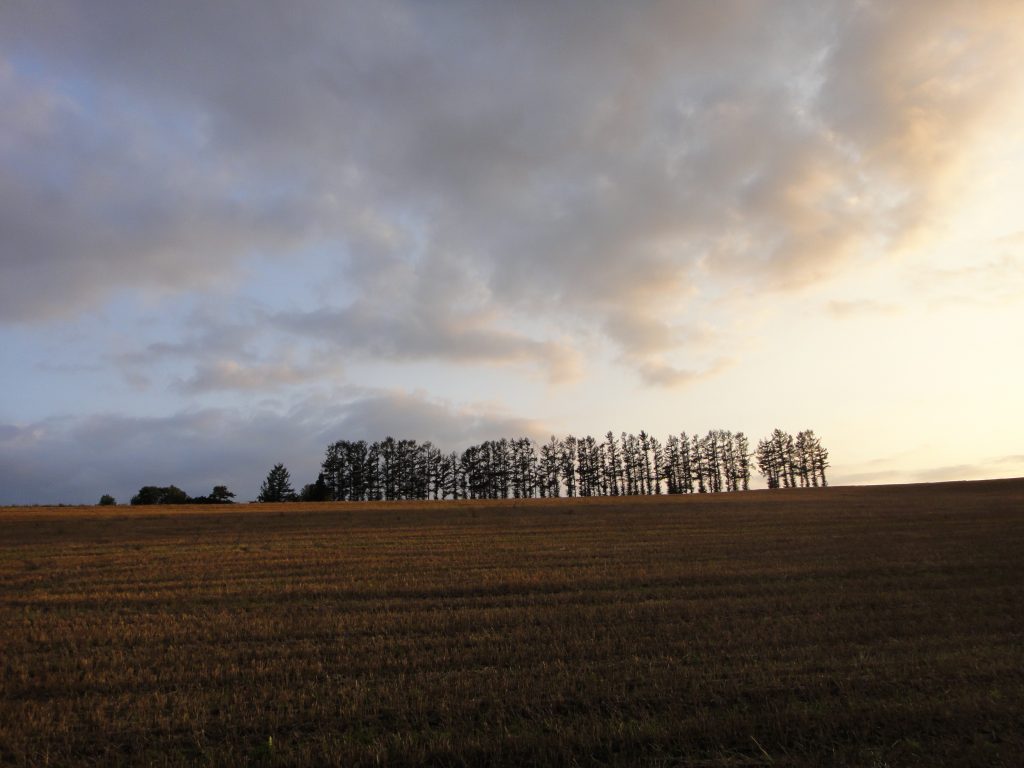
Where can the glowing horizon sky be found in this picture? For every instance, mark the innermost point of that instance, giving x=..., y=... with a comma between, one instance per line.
x=231, y=233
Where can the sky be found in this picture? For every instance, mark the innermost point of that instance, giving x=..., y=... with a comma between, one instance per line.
x=232, y=233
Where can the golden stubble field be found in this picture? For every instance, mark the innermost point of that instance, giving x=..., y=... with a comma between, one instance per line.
x=876, y=626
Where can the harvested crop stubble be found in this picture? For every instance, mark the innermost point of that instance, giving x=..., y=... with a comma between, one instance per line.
x=841, y=626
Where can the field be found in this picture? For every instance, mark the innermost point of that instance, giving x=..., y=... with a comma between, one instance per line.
x=844, y=626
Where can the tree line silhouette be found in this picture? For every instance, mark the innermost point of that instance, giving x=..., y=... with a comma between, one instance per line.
x=172, y=494
x=627, y=465
x=783, y=460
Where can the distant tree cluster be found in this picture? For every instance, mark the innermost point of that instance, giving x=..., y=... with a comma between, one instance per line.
x=627, y=465
x=785, y=461
x=172, y=494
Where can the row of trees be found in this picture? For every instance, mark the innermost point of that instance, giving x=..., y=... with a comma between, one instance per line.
x=627, y=465
x=785, y=461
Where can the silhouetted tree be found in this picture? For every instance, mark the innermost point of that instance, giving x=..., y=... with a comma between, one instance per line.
x=448, y=476
x=715, y=467
x=686, y=468
x=768, y=462
x=646, y=480
x=817, y=458
x=743, y=460
x=106, y=500
x=613, y=464
x=523, y=468
x=629, y=464
x=671, y=468
x=789, y=460
x=278, y=486
x=549, y=469
x=657, y=464
x=569, y=472
x=360, y=468
x=469, y=469
x=221, y=495
x=588, y=466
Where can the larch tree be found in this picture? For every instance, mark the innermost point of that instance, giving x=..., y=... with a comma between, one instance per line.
x=569, y=471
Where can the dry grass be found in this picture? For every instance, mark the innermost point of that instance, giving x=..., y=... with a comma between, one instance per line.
x=842, y=626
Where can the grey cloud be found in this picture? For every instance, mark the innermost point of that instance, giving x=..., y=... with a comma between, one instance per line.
x=75, y=460
x=261, y=349
x=208, y=337
x=88, y=209
x=429, y=334
x=589, y=161
x=449, y=426
x=641, y=333
x=228, y=350
x=232, y=375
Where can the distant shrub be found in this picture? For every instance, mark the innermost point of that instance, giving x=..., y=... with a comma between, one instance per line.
x=106, y=500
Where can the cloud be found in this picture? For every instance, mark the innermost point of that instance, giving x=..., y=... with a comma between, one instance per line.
x=255, y=347
x=571, y=166
x=229, y=350
x=365, y=330
x=843, y=308
x=659, y=373
x=907, y=82
x=90, y=207
x=996, y=280
x=452, y=427
x=231, y=375
x=208, y=336
x=989, y=468
x=75, y=460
